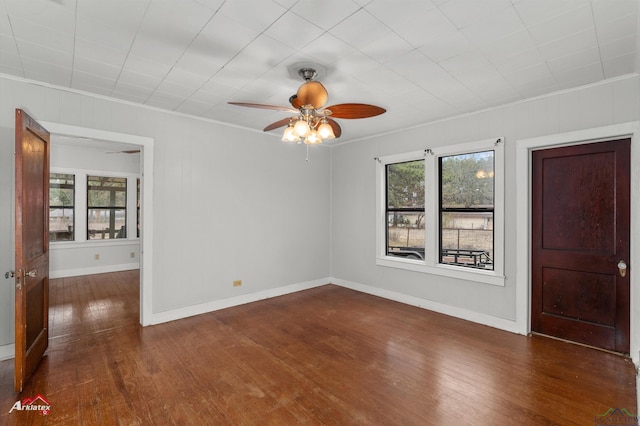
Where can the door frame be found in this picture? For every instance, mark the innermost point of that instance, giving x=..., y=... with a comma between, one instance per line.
x=146, y=193
x=524, y=148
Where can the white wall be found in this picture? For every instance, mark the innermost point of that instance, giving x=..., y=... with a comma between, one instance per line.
x=229, y=204
x=232, y=204
x=7, y=291
x=353, y=195
x=82, y=257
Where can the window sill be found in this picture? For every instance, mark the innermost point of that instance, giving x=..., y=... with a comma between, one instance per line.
x=62, y=245
x=475, y=275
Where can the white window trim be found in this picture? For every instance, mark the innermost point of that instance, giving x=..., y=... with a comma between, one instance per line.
x=431, y=265
x=80, y=200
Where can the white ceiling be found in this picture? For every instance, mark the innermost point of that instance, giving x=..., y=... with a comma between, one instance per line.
x=422, y=60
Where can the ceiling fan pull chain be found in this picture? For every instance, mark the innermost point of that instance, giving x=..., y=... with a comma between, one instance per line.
x=307, y=159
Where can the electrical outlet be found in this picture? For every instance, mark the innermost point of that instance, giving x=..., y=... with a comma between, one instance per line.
x=97, y=256
x=237, y=283
x=133, y=254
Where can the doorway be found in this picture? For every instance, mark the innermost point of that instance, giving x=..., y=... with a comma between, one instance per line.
x=580, y=243
x=524, y=149
x=145, y=145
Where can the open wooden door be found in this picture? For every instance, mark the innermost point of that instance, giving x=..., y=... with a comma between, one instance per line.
x=31, y=245
x=581, y=244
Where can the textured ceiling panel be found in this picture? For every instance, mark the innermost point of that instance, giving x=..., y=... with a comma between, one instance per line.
x=422, y=60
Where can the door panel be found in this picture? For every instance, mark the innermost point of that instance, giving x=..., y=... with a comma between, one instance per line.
x=31, y=246
x=580, y=231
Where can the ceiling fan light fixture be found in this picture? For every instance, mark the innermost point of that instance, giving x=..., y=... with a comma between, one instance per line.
x=301, y=127
x=325, y=130
x=290, y=135
x=311, y=122
x=313, y=138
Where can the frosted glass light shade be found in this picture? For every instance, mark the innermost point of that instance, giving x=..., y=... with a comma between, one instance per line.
x=326, y=131
x=313, y=138
x=301, y=128
x=289, y=135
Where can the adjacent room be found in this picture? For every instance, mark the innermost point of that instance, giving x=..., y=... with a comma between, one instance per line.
x=338, y=212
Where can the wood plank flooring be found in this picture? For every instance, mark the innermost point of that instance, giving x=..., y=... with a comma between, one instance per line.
x=328, y=355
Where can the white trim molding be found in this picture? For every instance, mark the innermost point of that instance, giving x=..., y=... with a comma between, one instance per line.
x=215, y=305
x=7, y=352
x=524, y=148
x=65, y=273
x=495, y=322
x=431, y=263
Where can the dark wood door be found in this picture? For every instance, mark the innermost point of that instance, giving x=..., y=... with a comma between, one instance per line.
x=31, y=245
x=580, y=232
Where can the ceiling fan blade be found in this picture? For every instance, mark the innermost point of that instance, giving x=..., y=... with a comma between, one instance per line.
x=354, y=111
x=277, y=124
x=263, y=106
x=312, y=93
x=337, y=130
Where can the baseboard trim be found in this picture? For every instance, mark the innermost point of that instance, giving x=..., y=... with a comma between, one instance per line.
x=499, y=323
x=7, y=352
x=65, y=273
x=230, y=302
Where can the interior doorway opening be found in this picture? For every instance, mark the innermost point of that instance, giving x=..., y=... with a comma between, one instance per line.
x=117, y=142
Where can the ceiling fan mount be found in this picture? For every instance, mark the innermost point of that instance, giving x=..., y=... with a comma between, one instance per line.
x=307, y=73
x=312, y=123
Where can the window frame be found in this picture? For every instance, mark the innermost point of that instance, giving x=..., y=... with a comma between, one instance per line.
x=81, y=239
x=112, y=209
x=443, y=210
x=72, y=207
x=397, y=210
x=431, y=263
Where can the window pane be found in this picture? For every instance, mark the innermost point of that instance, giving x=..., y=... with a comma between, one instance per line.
x=466, y=209
x=405, y=209
x=405, y=234
x=104, y=224
x=467, y=180
x=405, y=184
x=61, y=197
x=106, y=191
x=61, y=224
x=61, y=206
x=467, y=239
x=106, y=212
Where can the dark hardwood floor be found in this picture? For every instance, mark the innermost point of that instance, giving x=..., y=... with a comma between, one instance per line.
x=328, y=355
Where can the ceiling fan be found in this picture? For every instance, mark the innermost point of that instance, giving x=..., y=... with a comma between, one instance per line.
x=313, y=122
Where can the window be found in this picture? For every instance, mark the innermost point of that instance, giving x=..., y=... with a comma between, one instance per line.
x=61, y=206
x=466, y=209
x=440, y=211
x=405, y=209
x=106, y=207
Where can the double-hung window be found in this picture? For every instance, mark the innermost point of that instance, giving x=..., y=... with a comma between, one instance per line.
x=106, y=207
x=440, y=211
x=61, y=206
